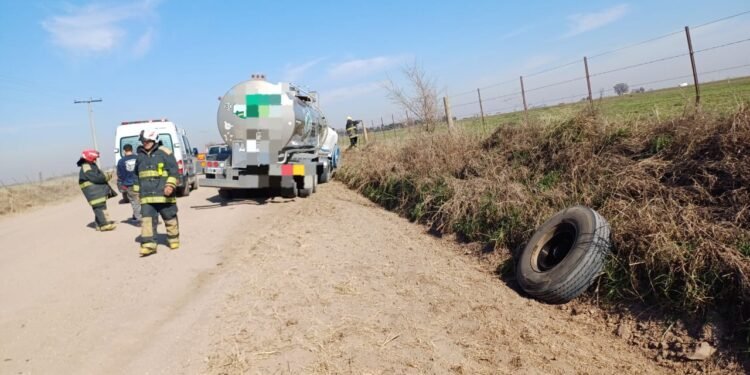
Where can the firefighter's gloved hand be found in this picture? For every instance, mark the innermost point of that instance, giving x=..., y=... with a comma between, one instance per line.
x=168, y=190
x=108, y=175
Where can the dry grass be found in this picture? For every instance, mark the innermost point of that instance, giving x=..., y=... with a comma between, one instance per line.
x=674, y=191
x=19, y=198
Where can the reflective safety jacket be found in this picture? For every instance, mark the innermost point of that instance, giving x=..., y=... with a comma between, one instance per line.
x=155, y=170
x=351, y=127
x=93, y=182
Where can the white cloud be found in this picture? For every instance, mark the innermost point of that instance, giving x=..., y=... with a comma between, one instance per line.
x=515, y=32
x=363, y=67
x=581, y=23
x=97, y=29
x=143, y=44
x=349, y=92
x=294, y=72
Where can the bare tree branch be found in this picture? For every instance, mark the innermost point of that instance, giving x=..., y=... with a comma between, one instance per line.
x=420, y=99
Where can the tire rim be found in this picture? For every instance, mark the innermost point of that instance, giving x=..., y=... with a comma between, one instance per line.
x=556, y=248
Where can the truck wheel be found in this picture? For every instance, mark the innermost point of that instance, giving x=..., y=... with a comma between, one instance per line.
x=194, y=186
x=290, y=192
x=306, y=192
x=565, y=255
x=326, y=175
x=183, y=191
x=225, y=194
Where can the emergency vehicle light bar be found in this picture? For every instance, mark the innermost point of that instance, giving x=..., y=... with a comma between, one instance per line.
x=143, y=121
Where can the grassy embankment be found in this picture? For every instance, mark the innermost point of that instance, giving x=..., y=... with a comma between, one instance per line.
x=21, y=197
x=673, y=183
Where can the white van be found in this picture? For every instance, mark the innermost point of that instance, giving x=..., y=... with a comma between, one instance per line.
x=171, y=136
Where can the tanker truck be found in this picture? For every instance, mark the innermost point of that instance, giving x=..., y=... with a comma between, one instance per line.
x=278, y=138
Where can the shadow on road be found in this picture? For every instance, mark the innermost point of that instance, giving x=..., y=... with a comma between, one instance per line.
x=240, y=197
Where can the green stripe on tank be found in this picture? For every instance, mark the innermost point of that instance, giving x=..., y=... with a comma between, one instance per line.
x=262, y=99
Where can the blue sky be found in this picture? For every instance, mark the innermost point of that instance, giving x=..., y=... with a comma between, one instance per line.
x=153, y=59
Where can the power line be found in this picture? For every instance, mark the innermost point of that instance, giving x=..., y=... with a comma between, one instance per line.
x=464, y=104
x=722, y=45
x=552, y=68
x=484, y=87
x=639, y=64
x=635, y=44
x=721, y=19
x=502, y=96
x=581, y=96
x=499, y=83
x=556, y=84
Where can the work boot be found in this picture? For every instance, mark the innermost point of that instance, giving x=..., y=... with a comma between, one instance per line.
x=107, y=227
x=145, y=251
x=148, y=248
x=174, y=244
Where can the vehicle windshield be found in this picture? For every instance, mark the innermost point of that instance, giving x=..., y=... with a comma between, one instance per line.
x=213, y=150
x=165, y=139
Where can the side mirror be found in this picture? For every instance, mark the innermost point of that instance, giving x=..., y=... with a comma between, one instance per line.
x=195, y=151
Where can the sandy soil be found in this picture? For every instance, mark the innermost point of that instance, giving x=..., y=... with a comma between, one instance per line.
x=329, y=284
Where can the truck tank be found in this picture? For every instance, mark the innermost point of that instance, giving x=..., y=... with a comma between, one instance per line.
x=278, y=138
x=265, y=122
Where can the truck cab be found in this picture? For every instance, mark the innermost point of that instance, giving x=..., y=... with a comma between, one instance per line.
x=218, y=152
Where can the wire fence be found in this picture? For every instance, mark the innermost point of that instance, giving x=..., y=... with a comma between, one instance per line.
x=675, y=59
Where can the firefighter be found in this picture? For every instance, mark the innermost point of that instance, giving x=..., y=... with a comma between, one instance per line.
x=157, y=178
x=126, y=180
x=95, y=187
x=351, y=130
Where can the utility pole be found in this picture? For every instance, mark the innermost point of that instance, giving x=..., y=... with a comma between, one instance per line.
x=91, y=117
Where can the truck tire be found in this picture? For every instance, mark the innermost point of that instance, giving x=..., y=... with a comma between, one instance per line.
x=326, y=175
x=194, y=185
x=290, y=192
x=565, y=255
x=306, y=192
x=183, y=191
x=226, y=194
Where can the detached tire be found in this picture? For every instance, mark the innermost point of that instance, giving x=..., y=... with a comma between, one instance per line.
x=565, y=255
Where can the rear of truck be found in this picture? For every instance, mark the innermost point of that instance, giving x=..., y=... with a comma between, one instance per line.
x=274, y=133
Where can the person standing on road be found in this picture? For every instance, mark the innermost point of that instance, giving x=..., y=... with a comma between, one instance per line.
x=126, y=179
x=351, y=130
x=95, y=187
x=157, y=178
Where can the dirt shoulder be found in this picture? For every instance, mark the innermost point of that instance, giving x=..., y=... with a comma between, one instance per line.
x=333, y=284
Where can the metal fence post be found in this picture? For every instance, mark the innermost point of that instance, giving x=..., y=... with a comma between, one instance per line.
x=692, y=62
x=481, y=110
x=588, y=79
x=525, y=108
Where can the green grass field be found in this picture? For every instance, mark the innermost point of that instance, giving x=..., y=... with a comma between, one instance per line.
x=719, y=97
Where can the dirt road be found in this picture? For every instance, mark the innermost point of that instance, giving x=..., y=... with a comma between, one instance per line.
x=329, y=284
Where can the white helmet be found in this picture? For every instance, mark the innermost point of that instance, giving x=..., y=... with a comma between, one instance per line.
x=348, y=117
x=150, y=135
